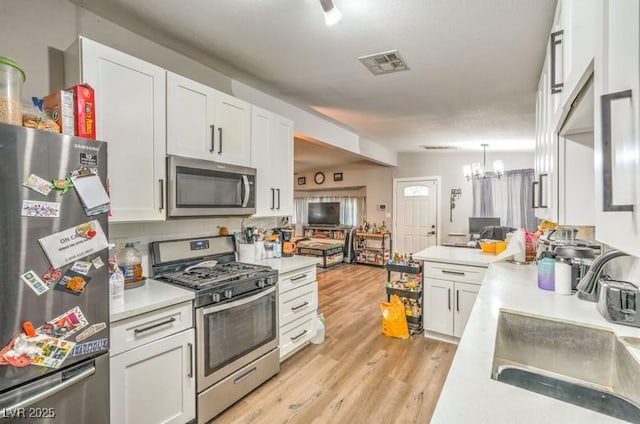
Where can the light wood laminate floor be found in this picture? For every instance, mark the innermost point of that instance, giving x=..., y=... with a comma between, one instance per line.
x=357, y=375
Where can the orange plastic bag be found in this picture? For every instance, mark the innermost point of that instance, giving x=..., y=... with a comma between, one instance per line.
x=394, y=320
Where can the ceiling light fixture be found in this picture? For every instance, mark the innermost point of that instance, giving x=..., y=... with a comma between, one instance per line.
x=331, y=13
x=477, y=170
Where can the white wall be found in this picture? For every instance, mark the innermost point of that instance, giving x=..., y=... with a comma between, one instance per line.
x=376, y=178
x=448, y=165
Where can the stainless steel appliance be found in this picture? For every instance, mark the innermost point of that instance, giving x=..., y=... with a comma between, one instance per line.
x=205, y=188
x=77, y=391
x=236, y=310
x=619, y=302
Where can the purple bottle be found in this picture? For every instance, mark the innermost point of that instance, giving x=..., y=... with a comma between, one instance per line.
x=546, y=271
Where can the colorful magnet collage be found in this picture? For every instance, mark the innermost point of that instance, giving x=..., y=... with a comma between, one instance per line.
x=77, y=249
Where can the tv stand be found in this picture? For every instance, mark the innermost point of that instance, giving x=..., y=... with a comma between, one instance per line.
x=336, y=232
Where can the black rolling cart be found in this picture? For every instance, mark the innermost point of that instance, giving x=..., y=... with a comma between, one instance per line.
x=408, y=286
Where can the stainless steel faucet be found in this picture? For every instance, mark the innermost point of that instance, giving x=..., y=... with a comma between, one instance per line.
x=588, y=285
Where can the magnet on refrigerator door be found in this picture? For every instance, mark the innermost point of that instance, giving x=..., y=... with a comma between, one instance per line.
x=92, y=330
x=38, y=184
x=40, y=209
x=34, y=282
x=73, y=282
x=82, y=267
x=64, y=325
x=62, y=184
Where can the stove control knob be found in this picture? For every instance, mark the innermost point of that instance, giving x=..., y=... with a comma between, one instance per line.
x=260, y=283
x=228, y=293
x=270, y=281
x=215, y=297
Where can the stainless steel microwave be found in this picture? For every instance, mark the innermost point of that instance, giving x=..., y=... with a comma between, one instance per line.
x=204, y=188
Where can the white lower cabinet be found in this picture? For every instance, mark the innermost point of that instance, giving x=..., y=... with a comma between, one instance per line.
x=450, y=290
x=297, y=303
x=154, y=382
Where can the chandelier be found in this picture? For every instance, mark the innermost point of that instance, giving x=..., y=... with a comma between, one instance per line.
x=477, y=170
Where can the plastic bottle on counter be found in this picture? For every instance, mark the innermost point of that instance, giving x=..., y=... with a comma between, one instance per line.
x=546, y=271
x=129, y=260
x=116, y=281
x=562, y=274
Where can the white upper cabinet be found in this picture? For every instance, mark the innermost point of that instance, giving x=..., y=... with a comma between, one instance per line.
x=130, y=117
x=190, y=118
x=545, y=165
x=580, y=18
x=204, y=123
x=272, y=156
x=233, y=128
x=617, y=125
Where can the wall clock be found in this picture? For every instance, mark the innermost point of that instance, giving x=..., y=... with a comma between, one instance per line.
x=318, y=178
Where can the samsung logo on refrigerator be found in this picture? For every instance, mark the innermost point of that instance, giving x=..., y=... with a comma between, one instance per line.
x=82, y=146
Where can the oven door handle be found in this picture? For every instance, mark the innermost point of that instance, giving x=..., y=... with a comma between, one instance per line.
x=239, y=302
x=245, y=183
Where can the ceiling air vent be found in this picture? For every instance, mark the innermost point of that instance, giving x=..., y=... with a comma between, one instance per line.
x=442, y=147
x=384, y=63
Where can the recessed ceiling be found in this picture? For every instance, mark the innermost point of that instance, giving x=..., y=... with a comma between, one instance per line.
x=474, y=64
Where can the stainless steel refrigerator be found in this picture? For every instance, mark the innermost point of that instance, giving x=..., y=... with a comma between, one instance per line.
x=66, y=378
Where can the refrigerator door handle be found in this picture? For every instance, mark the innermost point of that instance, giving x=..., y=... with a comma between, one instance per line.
x=5, y=412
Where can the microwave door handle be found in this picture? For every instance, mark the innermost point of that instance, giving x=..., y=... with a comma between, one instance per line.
x=245, y=197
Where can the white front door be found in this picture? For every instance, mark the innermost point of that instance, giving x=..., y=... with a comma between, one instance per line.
x=415, y=215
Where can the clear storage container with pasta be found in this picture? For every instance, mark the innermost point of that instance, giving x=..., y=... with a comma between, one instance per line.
x=11, y=79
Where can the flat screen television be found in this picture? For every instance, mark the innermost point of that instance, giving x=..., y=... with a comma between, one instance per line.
x=325, y=213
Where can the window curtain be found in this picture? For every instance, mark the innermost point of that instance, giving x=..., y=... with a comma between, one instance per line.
x=508, y=198
x=351, y=208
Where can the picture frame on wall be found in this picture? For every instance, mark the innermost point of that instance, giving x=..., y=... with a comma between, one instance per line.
x=337, y=176
x=302, y=180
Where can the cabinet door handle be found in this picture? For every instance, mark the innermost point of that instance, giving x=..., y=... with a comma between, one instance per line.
x=446, y=271
x=458, y=300
x=533, y=194
x=299, y=277
x=540, y=192
x=607, y=156
x=151, y=327
x=161, y=181
x=295, y=308
x=294, y=338
x=213, y=139
x=273, y=198
x=556, y=42
x=449, y=298
x=219, y=140
x=190, y=375
x=278, y=190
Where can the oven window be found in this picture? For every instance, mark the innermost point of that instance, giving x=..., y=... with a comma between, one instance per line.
x=202, y=188
x=232, y=333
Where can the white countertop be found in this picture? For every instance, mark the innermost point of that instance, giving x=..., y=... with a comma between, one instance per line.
x=456, y=255
x=470, y=395
x=290, y=263
x=153, y=295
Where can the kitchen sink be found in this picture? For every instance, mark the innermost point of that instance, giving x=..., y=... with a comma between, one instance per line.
x=586, y=366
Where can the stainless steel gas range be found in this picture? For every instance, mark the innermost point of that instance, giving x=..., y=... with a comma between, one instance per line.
x=236, y=313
